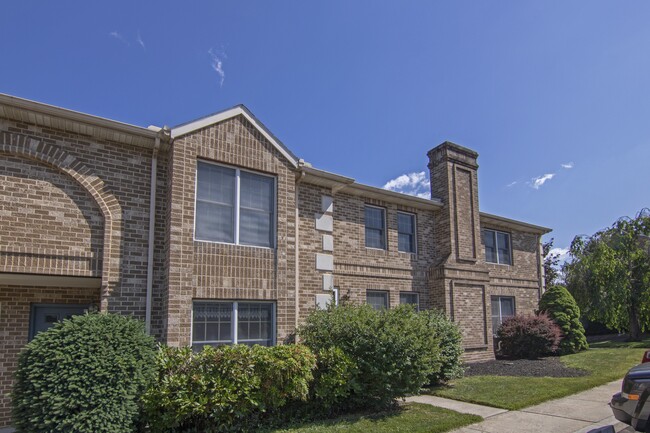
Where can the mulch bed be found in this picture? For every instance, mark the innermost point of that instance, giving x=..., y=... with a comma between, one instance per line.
x=543, y=367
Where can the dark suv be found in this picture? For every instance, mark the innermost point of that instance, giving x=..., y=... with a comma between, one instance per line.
x=631, y=405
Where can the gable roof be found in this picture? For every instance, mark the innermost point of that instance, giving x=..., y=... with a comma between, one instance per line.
x=239, y=110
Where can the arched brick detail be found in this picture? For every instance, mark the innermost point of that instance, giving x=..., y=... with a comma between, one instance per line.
x=39, y=150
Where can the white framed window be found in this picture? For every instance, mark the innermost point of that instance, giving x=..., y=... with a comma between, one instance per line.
x=216, y=323
x=410, y=298
x=497, y=247
x=406, y=232
x=375, y=221
x=377, y=299
x=502, y=308
x=234, y=206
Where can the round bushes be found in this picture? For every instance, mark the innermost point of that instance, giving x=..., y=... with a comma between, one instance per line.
x=558, y=303
x=84, y=374
x=524, y=336
x=394, y=351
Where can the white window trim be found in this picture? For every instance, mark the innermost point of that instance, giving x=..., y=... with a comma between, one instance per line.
x=235, y=319
x=417, y=297
x=237, y=203
x=383, y=210
x=415, y=232
x=496, y=246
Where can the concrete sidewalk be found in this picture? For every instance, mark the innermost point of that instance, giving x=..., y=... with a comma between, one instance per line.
x=578, y=413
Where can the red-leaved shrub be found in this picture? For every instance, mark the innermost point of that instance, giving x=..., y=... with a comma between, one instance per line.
x=528, y=336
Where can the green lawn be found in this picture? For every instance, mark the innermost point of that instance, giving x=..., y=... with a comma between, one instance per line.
x=410, y=418
x=606, y=361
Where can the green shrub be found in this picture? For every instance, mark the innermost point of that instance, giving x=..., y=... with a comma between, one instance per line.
x=394, y=350
x=451, y=349
x=334, y=379
x=528, y=336
x=84, y=374
x=228, y=388
x=560, y=306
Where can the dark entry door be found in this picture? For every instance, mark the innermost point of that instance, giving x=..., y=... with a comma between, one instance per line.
x=46, y=315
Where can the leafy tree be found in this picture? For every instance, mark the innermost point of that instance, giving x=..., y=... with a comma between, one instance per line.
x=558, y=303
x=551, y=262
x=609, y=274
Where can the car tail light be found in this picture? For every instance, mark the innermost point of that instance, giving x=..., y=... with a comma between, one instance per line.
x=646, y=357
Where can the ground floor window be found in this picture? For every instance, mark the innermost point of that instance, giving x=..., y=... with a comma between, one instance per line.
x=377, y=299
x=502, y=308
x=44, y=316
x=410, y=298
x=233, y=322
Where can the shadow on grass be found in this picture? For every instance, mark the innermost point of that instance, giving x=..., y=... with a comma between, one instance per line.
x=622, y=343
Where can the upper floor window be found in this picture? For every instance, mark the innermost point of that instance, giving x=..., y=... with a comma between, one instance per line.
x=375, y=218
x=234, y=206
x=406, y=232
x=497, y=247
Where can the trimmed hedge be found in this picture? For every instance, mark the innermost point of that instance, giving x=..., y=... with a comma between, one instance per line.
x=560, y=306
x=528, y=336
x=227, y=388
x=394, y=350
x=84, y=374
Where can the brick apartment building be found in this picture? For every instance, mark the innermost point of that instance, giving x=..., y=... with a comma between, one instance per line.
x=213, y=232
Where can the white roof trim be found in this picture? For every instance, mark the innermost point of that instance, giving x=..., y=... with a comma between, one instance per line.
x=239, y=110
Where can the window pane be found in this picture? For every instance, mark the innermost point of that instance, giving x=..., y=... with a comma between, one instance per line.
x=406, y=232
x=255, y=228
x=503, y=241
x=375, y=218
x=256, y=191
x=405, y=243
x=507, y=308
x=215, y=203
x=255, y=323
x=374, y=238
x=378, y=300
x=495, y=307
x=375, y=233
x=405, y=223
x=212, y=323
x=490, y=246
x=409, y=298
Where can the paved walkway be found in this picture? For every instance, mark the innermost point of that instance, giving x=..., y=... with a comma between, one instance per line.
x=578, y=413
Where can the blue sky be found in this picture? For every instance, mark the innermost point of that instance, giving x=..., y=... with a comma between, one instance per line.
x=553, y=95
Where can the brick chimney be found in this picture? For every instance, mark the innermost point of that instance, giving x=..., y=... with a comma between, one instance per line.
x=453, y=171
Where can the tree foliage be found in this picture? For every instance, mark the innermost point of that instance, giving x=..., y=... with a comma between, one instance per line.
x=609, y=274
x=551, y=261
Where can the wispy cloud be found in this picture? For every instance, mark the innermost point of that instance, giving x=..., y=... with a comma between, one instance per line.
x=119, y=37
x=537, y=182
x=140, y=41
x=562, y=253
x=217, y=58
x=567, y=165
x=416, y=184
x=511, y=184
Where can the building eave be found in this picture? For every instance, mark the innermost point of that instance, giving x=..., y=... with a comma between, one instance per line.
x=69, y=121
x=239, y=110
x=513, y=224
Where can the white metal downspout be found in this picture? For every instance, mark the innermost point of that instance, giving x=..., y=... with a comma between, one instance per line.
x=152, y=232
x=297, y=251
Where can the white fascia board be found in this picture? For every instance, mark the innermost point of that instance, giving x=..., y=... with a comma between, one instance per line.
x=229, y=114
x=514, y=224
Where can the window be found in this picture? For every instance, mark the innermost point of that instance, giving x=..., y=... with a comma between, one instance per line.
x=375, y=227
x=406, y=232
x=410, y=298
x=378, y=300
x=234, y=206
x=497, y=247
x=217, y=323
x=502, y=308
x=44, y=316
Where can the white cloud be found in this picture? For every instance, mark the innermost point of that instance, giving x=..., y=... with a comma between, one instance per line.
x=562, y=253
x=511, y=184
x=217, y=64
x=119, y=37
x=567, y=165
x=416, y=184
x=140, y=41
x=538, y=181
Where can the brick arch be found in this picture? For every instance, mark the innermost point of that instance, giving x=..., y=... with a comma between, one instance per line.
x=50, y=154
